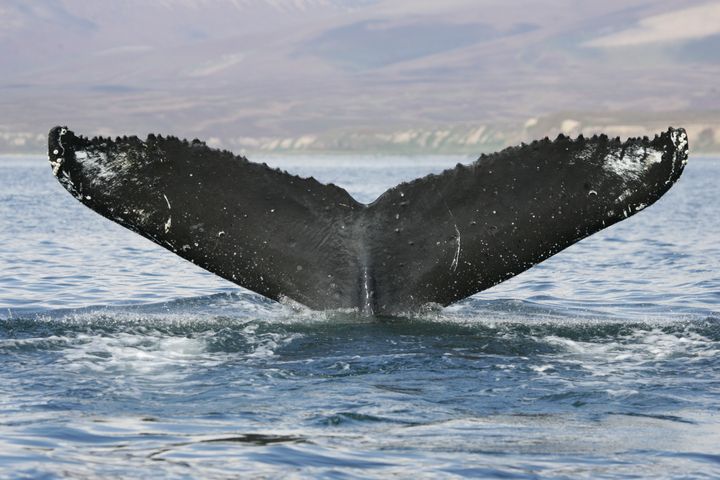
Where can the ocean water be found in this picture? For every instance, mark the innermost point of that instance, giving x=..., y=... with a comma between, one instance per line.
x=118, y=359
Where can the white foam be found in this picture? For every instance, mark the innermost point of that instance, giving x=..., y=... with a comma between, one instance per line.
x=135, y=354
x=642, y=348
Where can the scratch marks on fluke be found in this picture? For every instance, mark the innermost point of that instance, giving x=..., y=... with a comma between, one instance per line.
x=522, y=205
x=366, y=294
x=456, y=257
x=168, y=223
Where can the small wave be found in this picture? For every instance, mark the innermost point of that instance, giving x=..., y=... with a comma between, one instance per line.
x=224, y=318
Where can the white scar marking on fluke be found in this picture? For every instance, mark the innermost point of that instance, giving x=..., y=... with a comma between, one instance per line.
x=456, y=259
x=587, y=153
x=168, y=224
x=57, y=162
x=98, y=166
x=631, y=165
x=624, y=195
x=679, y=139
x=56, y=165
x=654, y=156
x=633, y=162
x=367, y=301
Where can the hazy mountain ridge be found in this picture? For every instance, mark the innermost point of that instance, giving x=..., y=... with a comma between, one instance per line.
x=703, y=133
x=338, y=75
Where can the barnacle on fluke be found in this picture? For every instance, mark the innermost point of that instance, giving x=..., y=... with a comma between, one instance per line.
x=434, y=240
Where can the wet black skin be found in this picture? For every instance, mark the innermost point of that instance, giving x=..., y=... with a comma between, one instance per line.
x=435, y=240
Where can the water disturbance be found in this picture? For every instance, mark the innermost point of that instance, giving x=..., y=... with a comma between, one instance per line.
x=119, y=359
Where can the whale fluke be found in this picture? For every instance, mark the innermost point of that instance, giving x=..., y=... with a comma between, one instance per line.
x=434, y=240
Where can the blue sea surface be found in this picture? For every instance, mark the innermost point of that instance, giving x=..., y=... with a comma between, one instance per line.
x=119, y=359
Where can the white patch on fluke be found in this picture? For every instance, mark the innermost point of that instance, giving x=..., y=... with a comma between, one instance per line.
x=653, y=156
x=631, y=163
x=624, y=195
x=587, y=153
x=97, y=165
x=680, y=140
x=56, y=164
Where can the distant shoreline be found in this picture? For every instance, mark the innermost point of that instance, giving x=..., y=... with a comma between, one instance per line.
x=259, y=155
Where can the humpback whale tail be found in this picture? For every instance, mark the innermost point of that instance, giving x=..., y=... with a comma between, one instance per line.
x=437, y=239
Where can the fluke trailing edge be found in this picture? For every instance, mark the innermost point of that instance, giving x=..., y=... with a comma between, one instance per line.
x=436, y=240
